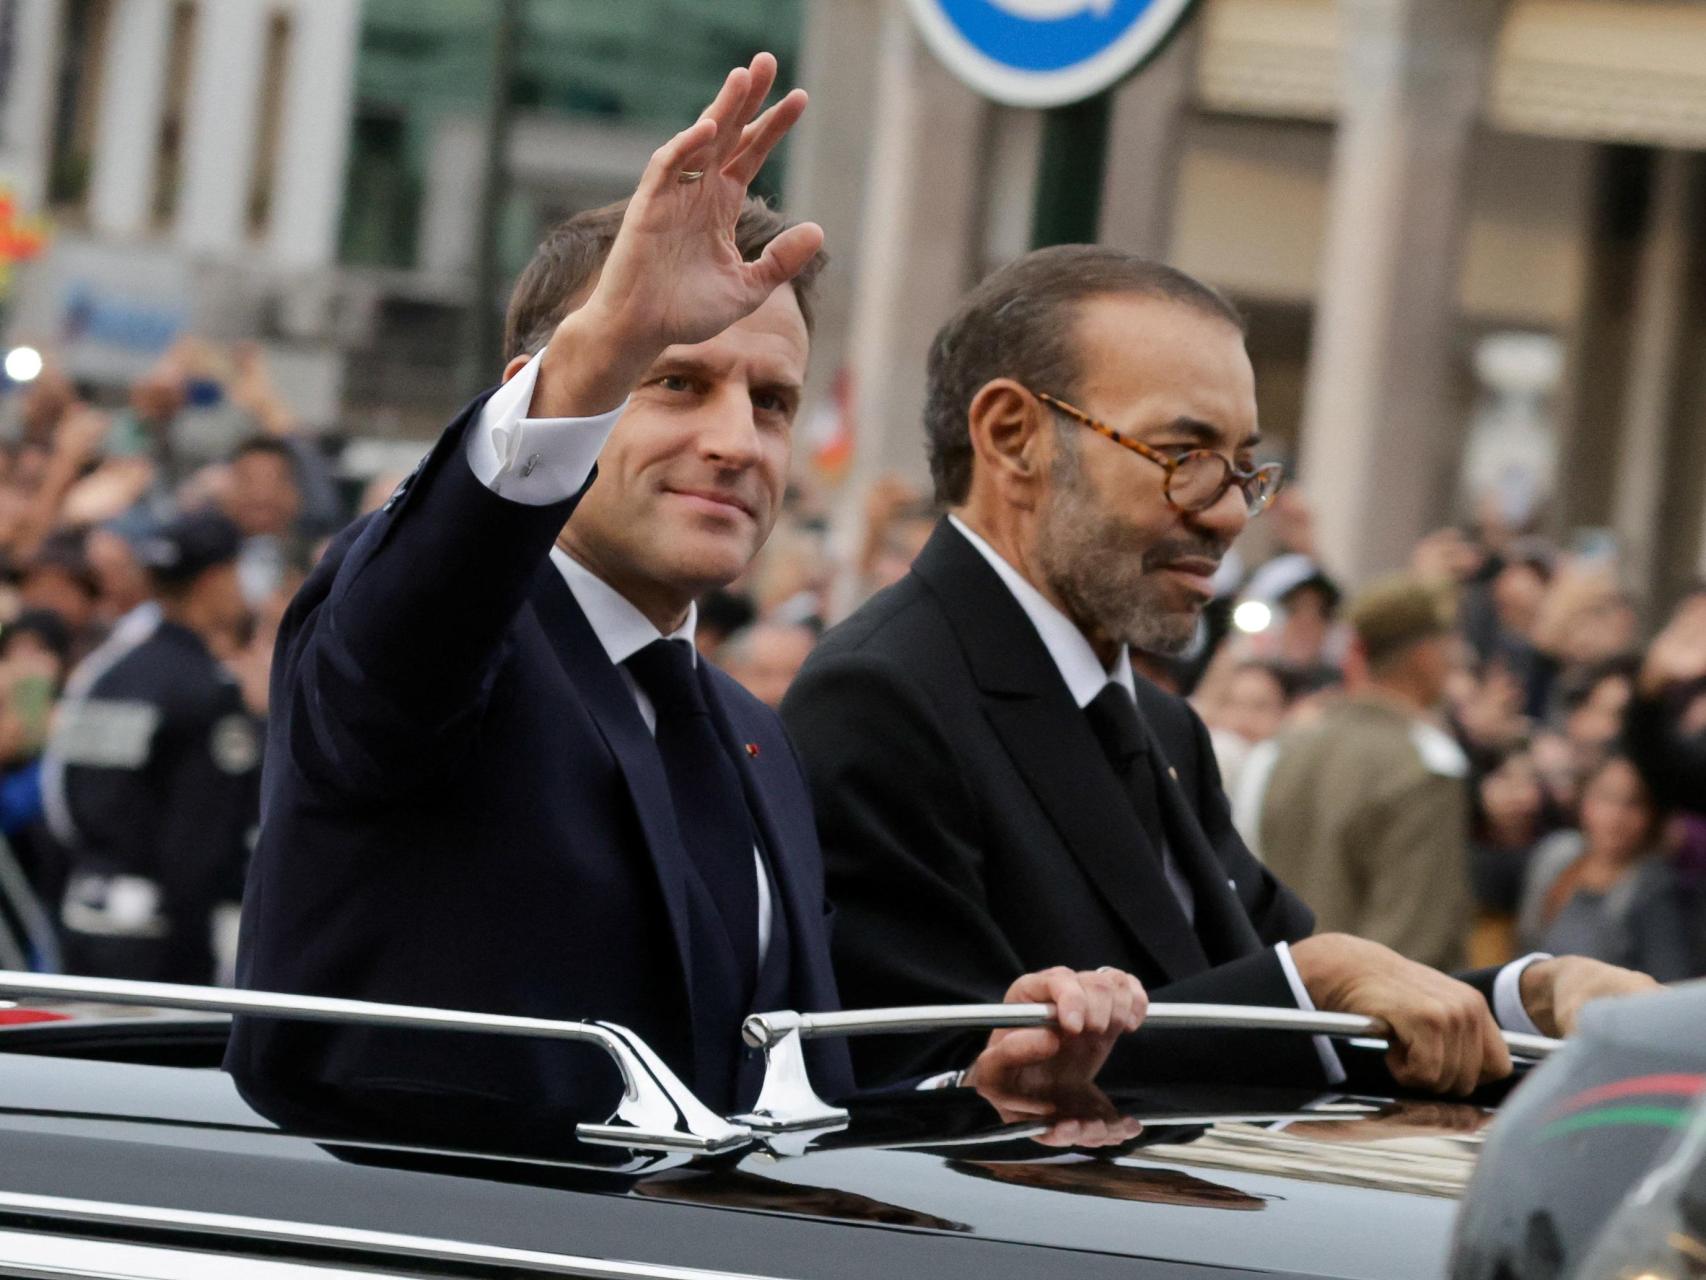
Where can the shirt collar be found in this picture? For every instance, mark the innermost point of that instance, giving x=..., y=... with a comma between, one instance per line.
x=621, y=628
x=1076, y=660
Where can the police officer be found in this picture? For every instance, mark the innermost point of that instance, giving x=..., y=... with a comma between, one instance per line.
x=152, y=771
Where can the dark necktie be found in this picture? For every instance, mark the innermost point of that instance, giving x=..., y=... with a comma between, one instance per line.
x=1113, y=716
x=710, y=805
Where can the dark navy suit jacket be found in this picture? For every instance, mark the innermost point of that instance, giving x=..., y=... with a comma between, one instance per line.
x=463, y=808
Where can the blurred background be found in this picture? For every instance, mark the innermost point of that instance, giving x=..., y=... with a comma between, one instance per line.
x=253, y=255
x=1466, y=231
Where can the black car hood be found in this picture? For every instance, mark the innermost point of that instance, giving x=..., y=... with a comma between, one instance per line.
x=918, y=1184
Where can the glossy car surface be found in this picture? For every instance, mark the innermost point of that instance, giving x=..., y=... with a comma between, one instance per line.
x=120, y=1128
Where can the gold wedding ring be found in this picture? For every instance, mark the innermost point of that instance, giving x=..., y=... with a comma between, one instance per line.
x=690, y=175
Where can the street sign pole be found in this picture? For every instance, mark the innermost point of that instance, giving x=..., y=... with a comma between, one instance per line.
x=1068, y=208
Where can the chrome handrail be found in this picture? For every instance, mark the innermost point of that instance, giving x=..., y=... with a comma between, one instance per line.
x=789, y=1102
x=656, y=1109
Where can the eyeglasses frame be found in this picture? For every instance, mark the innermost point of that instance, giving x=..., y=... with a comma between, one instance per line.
x=1234, y=474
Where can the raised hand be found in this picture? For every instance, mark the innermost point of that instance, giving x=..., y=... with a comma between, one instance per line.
x=674, y=273
x=1678, y=654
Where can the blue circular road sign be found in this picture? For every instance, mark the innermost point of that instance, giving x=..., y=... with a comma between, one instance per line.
x=1044, y=53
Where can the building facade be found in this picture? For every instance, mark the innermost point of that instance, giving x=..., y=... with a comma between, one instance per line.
x=308, y=172
x=1467, y=234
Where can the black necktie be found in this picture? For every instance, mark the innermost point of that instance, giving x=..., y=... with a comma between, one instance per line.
x=1113, y=715
x=710, y=805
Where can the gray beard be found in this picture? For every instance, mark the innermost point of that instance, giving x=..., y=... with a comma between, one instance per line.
x=1096, y=566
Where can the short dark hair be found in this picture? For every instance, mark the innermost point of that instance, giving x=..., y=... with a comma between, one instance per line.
x=1018, y=323
x=574, y=250
x=268, y=446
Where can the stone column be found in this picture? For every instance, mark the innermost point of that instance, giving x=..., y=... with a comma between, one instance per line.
x=1012, y=152
x=1595, y=389
x=1655, y=353
x=1381, y=430
x=1146, y=143
x=27, y=117
x=127, y=134
x=828, y=161
x=313, y=146
x=221, y=122
x=922, y=232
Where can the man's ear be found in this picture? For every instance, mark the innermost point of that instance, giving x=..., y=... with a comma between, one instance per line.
x=1355, y=665
x=516, y=365
x=1009, y=438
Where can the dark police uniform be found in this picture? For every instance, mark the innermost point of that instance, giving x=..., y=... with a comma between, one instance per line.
x=153, y=784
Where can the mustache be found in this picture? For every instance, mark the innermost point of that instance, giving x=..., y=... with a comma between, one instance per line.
x=1163, y=554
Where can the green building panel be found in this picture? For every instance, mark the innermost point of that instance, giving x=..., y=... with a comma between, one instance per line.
x=638, y=61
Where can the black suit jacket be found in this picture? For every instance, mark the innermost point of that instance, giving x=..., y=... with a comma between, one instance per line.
x=974, y=831
x=462, y=807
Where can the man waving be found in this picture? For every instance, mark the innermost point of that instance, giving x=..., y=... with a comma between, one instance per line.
x=498, y=778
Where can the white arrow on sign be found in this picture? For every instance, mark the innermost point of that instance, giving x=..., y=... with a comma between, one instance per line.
x=1047, y=10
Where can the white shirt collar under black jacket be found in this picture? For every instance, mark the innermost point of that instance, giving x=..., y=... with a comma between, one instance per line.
x=1084, y=674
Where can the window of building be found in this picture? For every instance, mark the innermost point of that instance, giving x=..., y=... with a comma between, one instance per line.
x=77, y=99
x=169, y=142
x=275, y=74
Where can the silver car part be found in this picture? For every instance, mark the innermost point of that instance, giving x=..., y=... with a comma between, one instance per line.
x=656, y=1108
x=387, y=1249
x=789, y=1102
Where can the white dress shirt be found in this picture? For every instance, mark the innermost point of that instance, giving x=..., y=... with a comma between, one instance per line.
x=538, y=461
x=1085, y=678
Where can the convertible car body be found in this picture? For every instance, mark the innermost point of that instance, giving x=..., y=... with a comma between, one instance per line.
x=125, y=1151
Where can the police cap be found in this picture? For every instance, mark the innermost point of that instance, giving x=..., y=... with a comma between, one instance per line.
x=188, y=545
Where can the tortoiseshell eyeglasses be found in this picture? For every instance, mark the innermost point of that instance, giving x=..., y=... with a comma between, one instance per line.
x=1196, y=479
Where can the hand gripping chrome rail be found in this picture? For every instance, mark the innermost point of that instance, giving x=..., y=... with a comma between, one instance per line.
x=656, y=1109
x=787, y=1100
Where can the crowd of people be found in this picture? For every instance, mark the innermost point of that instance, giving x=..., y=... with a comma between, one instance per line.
x=1550, y=767
x=1469, y=761
x=149, y=549
x=1547, y=785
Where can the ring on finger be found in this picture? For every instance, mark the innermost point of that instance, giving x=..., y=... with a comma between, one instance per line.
x=690, y=175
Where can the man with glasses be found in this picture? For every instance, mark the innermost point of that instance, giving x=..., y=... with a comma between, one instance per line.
x=997, y=792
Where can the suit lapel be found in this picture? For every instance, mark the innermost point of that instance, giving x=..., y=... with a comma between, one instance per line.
x=1056, y=752
x=611, y=705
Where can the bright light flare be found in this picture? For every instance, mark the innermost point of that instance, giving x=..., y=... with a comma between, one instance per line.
x=1252, y=617
x=23, y=364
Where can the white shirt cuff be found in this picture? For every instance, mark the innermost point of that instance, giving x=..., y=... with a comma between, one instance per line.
x=534, y=461
x=946, y=1080
x=1508, y=1010
x=1323, y=1046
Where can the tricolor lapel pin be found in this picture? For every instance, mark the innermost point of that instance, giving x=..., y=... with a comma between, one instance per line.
x=752, y=750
